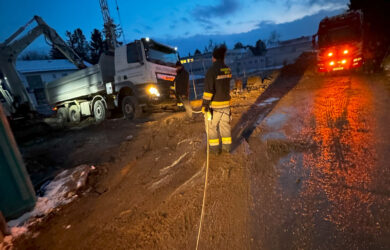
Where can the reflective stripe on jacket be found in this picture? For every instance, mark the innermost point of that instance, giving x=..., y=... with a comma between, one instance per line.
x=217, y=86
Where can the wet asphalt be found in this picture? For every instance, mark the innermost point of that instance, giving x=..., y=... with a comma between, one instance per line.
x=321, y=178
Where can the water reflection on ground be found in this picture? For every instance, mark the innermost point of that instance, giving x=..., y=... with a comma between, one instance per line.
x=330, y=186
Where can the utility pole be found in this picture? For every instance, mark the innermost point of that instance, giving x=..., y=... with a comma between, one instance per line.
x=193, y=81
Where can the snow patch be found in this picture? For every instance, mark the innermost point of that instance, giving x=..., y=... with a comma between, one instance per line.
x=164, y=170
x=268, y=101
x=156, y=184
x=189, y=181
x=58, y=192
x=271, y=100
x=273, y=135
x=276, y=121
x=183, y=141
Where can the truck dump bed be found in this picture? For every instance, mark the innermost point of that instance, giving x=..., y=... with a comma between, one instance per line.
x=82, y=83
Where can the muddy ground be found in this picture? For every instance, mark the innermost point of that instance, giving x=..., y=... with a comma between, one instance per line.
x=309, y=170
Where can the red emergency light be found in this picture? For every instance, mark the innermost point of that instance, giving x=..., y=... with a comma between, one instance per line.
x=339, y=57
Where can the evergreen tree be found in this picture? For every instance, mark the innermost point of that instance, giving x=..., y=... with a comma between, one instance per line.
x=70, y=39
x=118, y=33
x=34, y=55
x=259, y=49
x=79, y=44
x=96, y=46
x=238, y=45
x=55, y=53
x=197, y=52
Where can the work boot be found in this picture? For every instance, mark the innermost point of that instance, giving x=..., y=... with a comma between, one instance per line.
x=214, y=150
x=226, y=148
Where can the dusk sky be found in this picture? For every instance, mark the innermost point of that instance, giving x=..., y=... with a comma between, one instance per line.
x=188, y=24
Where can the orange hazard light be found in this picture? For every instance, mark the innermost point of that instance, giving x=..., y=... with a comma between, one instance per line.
x=166, y=77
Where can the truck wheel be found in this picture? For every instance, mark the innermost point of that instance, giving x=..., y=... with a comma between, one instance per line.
x=62, y=115
x=99, y=111
x=74, y=114
x=129, y=104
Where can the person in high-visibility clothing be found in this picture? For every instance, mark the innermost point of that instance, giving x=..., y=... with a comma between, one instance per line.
x=216, y=102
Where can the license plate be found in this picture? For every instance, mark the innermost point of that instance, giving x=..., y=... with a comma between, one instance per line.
x=338, y=68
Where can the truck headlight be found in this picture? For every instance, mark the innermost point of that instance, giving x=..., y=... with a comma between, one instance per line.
x=153, y=91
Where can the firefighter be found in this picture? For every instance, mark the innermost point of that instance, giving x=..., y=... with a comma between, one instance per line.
x=181, y=85
x=216, y=102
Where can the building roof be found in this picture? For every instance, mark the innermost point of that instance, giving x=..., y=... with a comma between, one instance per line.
x=301, y=39
x=229, y=53
x=44, y=65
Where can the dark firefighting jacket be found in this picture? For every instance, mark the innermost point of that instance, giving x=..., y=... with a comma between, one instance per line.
x=182, y=83
x=217, y=86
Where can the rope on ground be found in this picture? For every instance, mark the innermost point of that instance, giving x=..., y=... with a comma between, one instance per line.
x=205, y=184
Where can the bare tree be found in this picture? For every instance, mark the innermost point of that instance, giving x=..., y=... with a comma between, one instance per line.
x=273, y=39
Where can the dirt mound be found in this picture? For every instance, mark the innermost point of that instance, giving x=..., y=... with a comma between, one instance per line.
x=306, y=61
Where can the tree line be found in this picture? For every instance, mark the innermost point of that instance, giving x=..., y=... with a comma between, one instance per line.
x=259, y=49
x=89, y=51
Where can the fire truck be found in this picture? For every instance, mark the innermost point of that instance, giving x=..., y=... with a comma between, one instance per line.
x=340, y=42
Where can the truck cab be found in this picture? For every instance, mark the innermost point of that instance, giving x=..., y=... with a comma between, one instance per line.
x=148, y=66
x=340, y=42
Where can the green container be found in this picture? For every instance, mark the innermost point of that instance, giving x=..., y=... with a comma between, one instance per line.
x=17, y=194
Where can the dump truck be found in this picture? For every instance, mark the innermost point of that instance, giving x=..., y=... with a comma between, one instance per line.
x=138, y=73
x=341, y=42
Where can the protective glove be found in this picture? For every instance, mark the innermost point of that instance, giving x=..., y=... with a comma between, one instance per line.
x=205, y=106
x=209, y=116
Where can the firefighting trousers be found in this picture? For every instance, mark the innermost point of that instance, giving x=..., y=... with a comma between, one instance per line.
x=219, y=129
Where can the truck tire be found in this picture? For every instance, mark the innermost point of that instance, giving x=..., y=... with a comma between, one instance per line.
x=74, y=114
x=62, y=115
x=129, y=105
x=99, y=111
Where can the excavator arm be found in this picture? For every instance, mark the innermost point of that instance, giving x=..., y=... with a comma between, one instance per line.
x=17, y=46
x=60, y=44
x=11, y=48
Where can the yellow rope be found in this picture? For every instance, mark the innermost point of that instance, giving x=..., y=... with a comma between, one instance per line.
x=205, y=182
